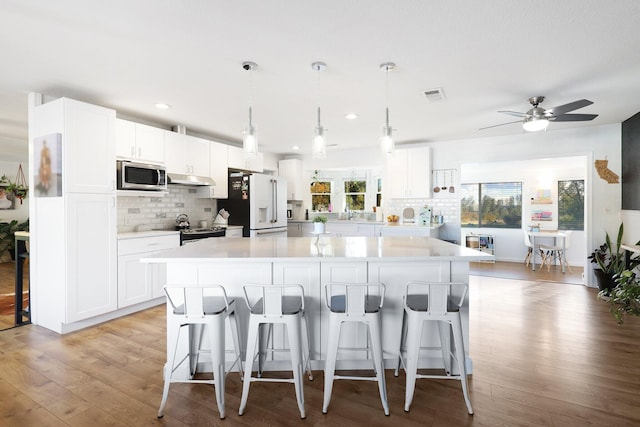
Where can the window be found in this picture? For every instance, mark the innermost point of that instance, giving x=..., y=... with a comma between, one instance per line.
x=320, y=195
x=354, y=194
x=496, y=205
x=571, y=205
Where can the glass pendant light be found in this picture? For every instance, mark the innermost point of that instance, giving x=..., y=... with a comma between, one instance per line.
x=249, y=133
x=387, y=144
x=319, y=144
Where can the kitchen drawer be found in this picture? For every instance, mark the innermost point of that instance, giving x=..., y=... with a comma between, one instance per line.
x=147, y=244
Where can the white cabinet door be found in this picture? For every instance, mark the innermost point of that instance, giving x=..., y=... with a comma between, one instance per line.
x=139, y=142
x=237, y=161
x=175, y=156
x=234, y=232
x=294, y=229
x=186, y=154
x=139, y=282
x=291, y=170
x=149, y=144
x=342, y=229
x=219, y=169
x=198, y=156
x=89, y=143
x=408, y=174
x=91, y=262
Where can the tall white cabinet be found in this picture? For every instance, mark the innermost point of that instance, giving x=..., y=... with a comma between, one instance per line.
x=73, y=236
x=408, y=174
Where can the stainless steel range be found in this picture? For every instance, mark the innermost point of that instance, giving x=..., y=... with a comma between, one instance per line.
x=191, y=235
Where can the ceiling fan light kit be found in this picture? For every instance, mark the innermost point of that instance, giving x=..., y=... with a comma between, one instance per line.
x=538, y=118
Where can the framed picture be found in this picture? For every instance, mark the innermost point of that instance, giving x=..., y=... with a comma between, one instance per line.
x=47, y=158
x=541, y=215
x=542, y=197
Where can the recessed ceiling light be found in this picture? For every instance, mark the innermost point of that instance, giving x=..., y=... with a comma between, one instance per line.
x=295, y=147
x=351, y=116
x=162, y=106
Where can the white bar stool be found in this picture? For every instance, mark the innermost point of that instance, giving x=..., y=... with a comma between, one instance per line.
x=354, y=303
x=268, y=305
x=432, y=301
x=196, y=307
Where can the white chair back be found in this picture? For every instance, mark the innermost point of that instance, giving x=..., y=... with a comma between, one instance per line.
x=527, y=238
x=439, y=299
x=354, y=299
x=196, y=301
x=274, y=300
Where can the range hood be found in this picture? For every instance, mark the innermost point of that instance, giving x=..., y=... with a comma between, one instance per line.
x=196, y=181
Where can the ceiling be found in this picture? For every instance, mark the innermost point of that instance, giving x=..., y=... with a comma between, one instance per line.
x=486, y=56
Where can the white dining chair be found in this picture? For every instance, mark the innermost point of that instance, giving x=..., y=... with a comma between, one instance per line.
x=555, y=251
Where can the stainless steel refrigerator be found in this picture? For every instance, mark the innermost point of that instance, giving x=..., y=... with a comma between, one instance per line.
x=258, y=203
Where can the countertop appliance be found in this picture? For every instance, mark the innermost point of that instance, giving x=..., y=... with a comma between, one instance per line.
x=191, y=235
x=258, y=202
x=140, y=176
x=182, y=222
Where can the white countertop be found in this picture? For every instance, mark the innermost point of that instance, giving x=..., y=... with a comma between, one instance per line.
x=148, y=233
x=386, y=224
x=294, y=249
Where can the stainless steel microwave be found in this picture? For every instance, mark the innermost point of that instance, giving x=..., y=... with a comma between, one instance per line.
x=141, y=176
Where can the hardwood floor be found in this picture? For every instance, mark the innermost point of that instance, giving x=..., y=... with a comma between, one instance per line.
x=544, y=355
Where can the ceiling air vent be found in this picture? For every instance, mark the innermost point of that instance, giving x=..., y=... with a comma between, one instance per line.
x=434, y=95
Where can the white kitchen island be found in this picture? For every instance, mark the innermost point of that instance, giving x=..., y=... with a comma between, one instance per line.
x=312, y=261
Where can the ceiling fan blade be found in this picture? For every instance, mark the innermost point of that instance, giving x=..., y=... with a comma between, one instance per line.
x=573, y=118
x=513, y=113
x=561, y=109
x=501, y=124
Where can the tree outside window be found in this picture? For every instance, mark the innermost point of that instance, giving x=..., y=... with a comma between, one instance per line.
x=354, y=193
x=320, y=195
x=571, y=204
x=496, y=205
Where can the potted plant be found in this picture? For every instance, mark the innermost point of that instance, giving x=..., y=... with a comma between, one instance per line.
x=624, y=299
x=7, y=235
x=610, y=262
x=319, y=224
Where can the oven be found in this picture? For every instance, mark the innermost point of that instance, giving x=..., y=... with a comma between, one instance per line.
x=191, y=235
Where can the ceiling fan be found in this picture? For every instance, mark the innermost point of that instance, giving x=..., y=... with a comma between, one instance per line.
x=537, y=118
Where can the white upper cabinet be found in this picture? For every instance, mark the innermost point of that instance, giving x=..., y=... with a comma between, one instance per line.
x=219, y=165
x=237, y=161
x=186, y=154
x=408, y=174
x=291, y=170
x=139, y=142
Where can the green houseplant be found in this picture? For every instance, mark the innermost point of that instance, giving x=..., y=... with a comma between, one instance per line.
x=624, y=299
x=610, y=261
x=7, y=235
x=319, y=224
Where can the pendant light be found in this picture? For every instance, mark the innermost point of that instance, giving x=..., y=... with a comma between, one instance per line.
x=387, y=144
x=319, y=144
x=249, y=133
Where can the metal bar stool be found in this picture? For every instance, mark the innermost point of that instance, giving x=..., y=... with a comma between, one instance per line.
x=196, y=307
x=432, y=301
x=276, y=304
x=354, y=303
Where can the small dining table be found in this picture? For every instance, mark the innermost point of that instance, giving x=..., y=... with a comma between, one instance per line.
x=555, y=234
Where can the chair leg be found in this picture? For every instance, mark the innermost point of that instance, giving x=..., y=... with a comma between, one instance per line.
x=414, y=333
x=403, y=337
x=297, y=360
x=216, y=337
x=252, y=341
x=330, y=360
x=168, y=371
x=235, y=334
x=375, y=331
x=307, y=347
x=444, y=331
x=264, y=334
x=456, y=325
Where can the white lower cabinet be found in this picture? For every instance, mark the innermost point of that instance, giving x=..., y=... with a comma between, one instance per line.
x=299, y=229
x=139, y=282
x=233, y=231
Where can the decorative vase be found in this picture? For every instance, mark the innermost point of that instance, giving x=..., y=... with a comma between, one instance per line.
x=318, y=227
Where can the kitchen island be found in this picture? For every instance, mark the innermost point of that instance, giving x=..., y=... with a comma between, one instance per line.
x=313, y=261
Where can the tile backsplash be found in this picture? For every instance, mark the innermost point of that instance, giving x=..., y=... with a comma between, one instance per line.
x=140, y=213
x=448, y=207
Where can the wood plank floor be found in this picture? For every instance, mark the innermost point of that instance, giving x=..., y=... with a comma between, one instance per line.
x=544, y=354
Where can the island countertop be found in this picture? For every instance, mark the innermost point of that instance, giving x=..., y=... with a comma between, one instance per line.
x=319, y=247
